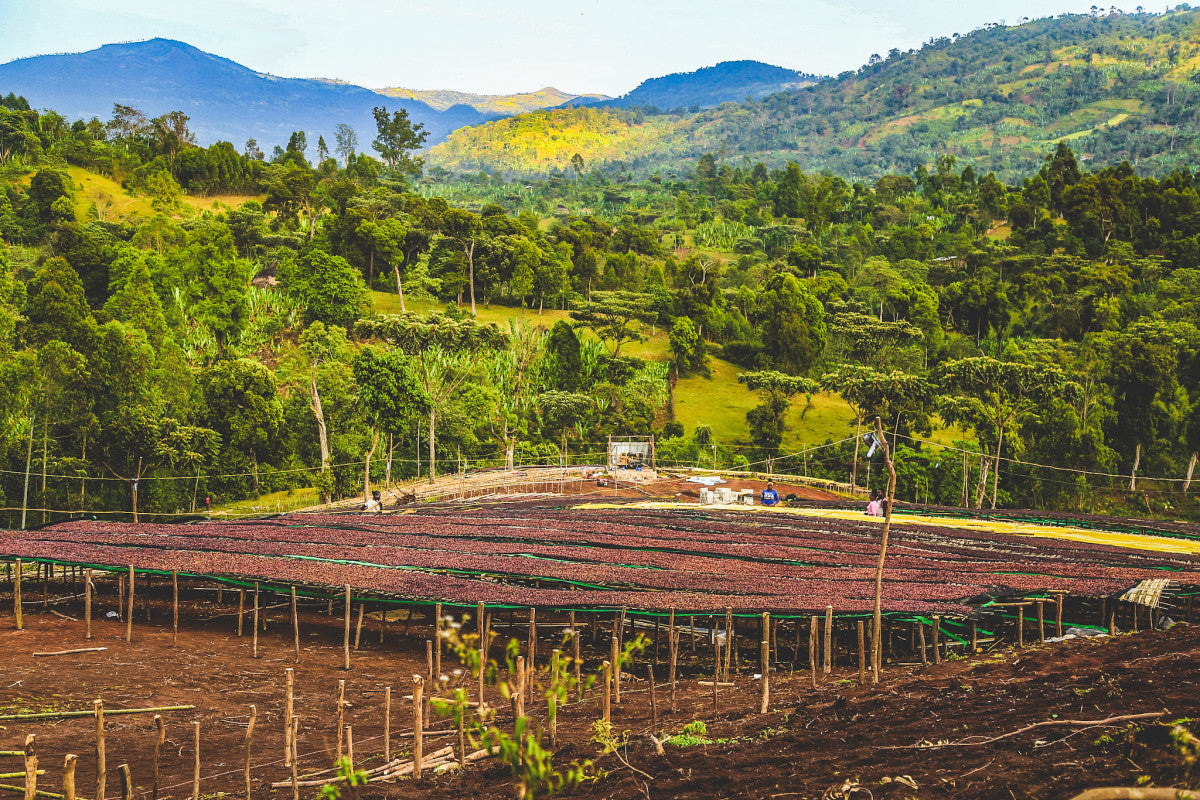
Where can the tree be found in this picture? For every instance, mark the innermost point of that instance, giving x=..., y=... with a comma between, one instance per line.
x=792, y=322
x=994, y=396
x=563, y=345
x=687, y=349
x=243, y=406
x=331, y=290
x=445, y=352
x=466, y=230
x=614, y=315
x=767, y=421
x=324, y=348
x=388, y=392
x=397, y=136
x=561, y=411
x=345, y=142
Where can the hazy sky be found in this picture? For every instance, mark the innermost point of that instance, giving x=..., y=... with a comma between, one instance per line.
x=604, y=46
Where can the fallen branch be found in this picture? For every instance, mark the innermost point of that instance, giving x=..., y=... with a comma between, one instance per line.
x=64, y=616
x=1052, y=723
x=1131, y=793
x=71, y=652
x=90, y=712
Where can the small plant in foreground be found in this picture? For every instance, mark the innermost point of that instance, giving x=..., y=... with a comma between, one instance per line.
x=354, y=778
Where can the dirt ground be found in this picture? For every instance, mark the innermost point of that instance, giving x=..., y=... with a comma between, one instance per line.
x=811, y=744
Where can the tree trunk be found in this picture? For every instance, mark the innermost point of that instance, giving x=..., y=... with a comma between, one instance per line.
x=322, y=432
x=1191, y=468
x=1137, y=460
x=470, y=251
x=387, y=474
x=371, y=269
x=996, y=469
x=854, y=464
x=254, y=462
x=984, y=466
x=508, y=453
x=432, y=454
x=367, y=467
x=399, y=286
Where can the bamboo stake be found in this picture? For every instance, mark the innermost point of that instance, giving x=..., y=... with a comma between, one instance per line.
x=295, y=631
x=358, y=626
x=813, y=637
x=249, y=735
x=129, y=614
x=254, y=640
x=341, y=717
x=289, y=701
x=196, y=760
x=158, y=743
x=418, y=726
x=828, y=664
x=346, y=638
x=98, y=711
x=862, y=652
x=17, y=570
x=69, y=776
x=31, y=770
x=87, y=607
x=387, y=723
x=126, y=782
x=71, y=652
x=606, y=668
x=241, y=609
x=764, y=660
x=174, y=607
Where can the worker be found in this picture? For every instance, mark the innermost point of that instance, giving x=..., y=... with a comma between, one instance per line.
x=875, y=506
x=769, y=496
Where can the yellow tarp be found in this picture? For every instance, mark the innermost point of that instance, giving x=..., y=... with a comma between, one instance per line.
x=1132, y=541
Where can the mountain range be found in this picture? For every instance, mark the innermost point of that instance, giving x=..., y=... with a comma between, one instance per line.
x=494, y=104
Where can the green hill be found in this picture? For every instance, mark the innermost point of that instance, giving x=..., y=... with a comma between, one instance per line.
x=1118, y=86
x=519, y=103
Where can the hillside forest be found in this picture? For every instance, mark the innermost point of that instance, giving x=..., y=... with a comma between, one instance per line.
x=179, y=322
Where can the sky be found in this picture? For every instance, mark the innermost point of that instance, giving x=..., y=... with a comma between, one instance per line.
x=606, y=46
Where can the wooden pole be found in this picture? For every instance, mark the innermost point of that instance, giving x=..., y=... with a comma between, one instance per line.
x=716, y=668
x=341, y=717
x=673, y=653
x=936, y=628
x=921, y=639
x=1020, y=625
x=418, y=726
x=254, y=639
x=249, y=736
x=519, y=696
x=575, y=662
x=295, y=633
x=120, y=598
x=126, y=782
x=429, y=666
x=764, y=660
x=196, y=760
x=531, y=644
x=17, y=570
x=437, y=639
x=827, y=667
x=289, y=707
x=1059, y=597
x=387, y=724
x=350, y=746
x=1042, y=621
x=877, y=621
x=174, y=607
x=295, y=761
x=69, y=776
x=87, y=609
x=98, y=711
x=862, y=652
x=615, y=659
x=358, y=627
x=606, y=669
x=813, y=638
x=974, y=637
x=158, y=743
x=346, y=637
x=653, y=697
x=129, y=613
x=241, y=609
x=31, y=764
x=729, y=640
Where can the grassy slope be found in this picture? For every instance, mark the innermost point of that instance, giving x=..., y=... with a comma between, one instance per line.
x=91, y=187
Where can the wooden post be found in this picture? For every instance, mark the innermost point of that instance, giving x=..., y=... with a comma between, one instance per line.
x=196, y=760
x=673, y=653
x=437, y=640
x=120, y=598
x=692, y=628
x=764, y=660
x=289, y=707
x=358, y=626
x=174, y=607
x=1059, y=596
x=418, y=726
x=241, y=609
x=653, y=697
x=295, y=632
x=17, y=570
x=387, y=724
x=921, y=637
x=350, y=746
x=1042, y=621
x=158, y=743
x=31, y=764
x=575, y=660
x=615, y=660
x=518, y=698
x=1112, y=624
x=98, y=711
x=87, y=612
x=828, y=665
x=862, y=652
x=129, y=614
x=429, y=667
x=606, y=669
x=813, y=637
x=341, y=717
x=716, y=667
x=295, y=760
x=936, y=629
x=531, y=644
x=1020, y=625
x=69, y=776
x=974, y=637
x=249, y=736
x=729, y=640
x=126, y=782
x=254, y=639
x=346, y=637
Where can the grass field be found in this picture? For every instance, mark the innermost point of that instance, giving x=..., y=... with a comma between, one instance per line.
x=115, y=202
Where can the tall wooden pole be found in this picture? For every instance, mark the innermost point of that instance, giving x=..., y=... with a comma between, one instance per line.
x=341, y=717
x=295, y=632
x=346, y=634
x=387, y=724
x=69, y=776
x=174, y=607
x=159, y=741
x=254, y=640
x=101, y=773
x=249, y=735
x=289, y=707
x=418, y=726
x=87, y=604
x=196, y=760
x=17, y=570
x=828, y=663
x=129, y=613
x=877, y=624
x=764, y=660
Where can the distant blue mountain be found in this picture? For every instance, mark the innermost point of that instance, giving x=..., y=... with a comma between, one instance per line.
x=727, y=82
x=225, y=100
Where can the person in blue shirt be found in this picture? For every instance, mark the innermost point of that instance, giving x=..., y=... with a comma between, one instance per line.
x=769, y=496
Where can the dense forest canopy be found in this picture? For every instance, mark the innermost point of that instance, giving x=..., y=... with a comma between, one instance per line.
x=224, y=322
